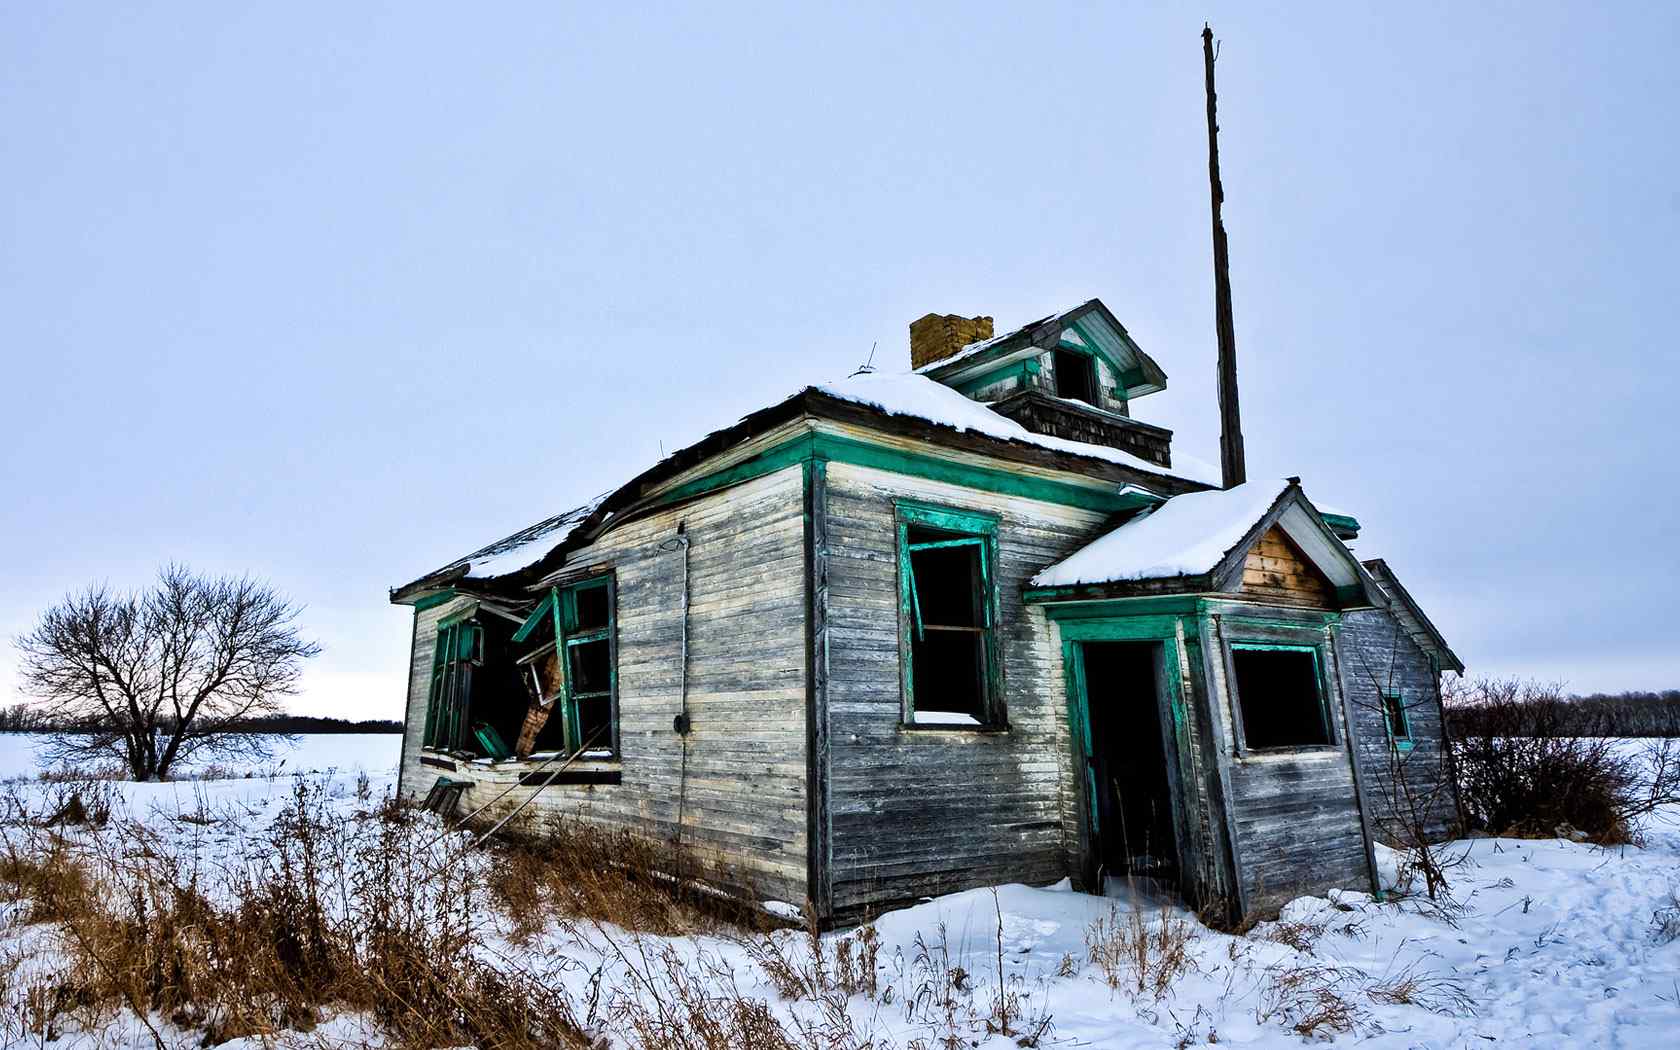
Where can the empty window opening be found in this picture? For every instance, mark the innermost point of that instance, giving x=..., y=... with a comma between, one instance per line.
x=1076, y=376
x=950, y=626
x=1131, y=814
x=1394, y=717
x=1278, y=693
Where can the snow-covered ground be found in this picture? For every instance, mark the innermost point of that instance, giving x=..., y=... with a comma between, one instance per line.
x=1556, y=945
x=312, y=753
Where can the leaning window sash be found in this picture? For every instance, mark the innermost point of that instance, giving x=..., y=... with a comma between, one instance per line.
x=985, y=616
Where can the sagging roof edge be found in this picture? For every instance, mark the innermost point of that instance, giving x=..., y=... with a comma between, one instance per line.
x=1380, y=568
x=807, y=402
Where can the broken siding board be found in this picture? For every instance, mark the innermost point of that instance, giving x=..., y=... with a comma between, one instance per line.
x=1379, y=654
x=919, y=810
x=1276, y=571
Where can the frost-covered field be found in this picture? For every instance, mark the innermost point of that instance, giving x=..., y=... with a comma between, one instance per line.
x=314, y=753
x=1556, y=946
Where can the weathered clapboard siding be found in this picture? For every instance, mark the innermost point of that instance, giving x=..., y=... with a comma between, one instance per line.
x=1296, y=820
x=412, y=778
x=1379, y=654
x=743, y=804
x=918, y=811
x=1275, y=571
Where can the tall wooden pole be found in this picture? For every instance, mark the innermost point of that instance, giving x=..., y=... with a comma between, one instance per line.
x=1232, y=466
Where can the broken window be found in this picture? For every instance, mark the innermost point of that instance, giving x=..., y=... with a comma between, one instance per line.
x=570, y=673
x=1076, y=376
x=945, y=595
x=475, y=703
x=457, y=654
x=1279, y=695
x=1394, y=717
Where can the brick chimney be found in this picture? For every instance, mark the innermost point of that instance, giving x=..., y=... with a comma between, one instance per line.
x=938, y=336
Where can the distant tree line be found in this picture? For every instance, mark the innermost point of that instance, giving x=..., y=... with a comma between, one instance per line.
x=24, y=718
x=1536, y=711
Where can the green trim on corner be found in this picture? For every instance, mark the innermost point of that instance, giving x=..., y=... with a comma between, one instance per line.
x=1340, y=523
x=838, y=449
x=796, y=450
x=432, y=601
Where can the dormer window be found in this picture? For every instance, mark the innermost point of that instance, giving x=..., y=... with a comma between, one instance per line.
x=1076, y=376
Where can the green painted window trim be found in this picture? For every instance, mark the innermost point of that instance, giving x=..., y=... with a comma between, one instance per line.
x=567, y=638
x=432, y=601
x=455, y=648
x=1402, y=740
x=532, y=622
x=974, y=529
x=1321, y=683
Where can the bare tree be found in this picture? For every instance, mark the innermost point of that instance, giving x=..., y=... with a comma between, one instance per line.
x=1416, y=807
x=156, y=678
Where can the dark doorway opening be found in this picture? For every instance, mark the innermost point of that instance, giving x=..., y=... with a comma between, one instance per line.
x=1132, y=832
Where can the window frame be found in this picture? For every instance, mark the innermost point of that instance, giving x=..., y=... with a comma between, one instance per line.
x=448, y=694
x=559, y=608
x=1089, y=371
x=1332, y=739
x=1403, y=740
x=968, y=528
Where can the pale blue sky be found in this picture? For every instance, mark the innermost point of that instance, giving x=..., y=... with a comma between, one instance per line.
x=335, y=292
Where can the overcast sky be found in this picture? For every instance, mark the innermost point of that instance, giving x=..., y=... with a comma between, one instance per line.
x=332, y=293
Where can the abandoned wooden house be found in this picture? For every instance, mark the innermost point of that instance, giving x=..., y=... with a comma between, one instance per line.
x=906, y=634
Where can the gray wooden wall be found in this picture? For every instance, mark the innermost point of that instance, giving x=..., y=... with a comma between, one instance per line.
x=1296, y=818
x=922, y=811
x=745, y=786
x=1379, y=653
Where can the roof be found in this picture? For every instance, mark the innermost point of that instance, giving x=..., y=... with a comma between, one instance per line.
x=1185, y=536
x=1197, y=542
x=913, y=394
x=509, y=555
x=1089, y=326
x=1432, y=640
x=930, y=408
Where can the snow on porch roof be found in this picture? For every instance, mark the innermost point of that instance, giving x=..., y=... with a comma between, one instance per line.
x=1187, y=535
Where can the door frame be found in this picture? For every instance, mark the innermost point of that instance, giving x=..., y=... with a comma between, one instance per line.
x=1161, y=634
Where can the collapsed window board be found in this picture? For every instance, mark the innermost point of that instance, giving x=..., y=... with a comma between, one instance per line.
x=947, y=614
x=1280, y=696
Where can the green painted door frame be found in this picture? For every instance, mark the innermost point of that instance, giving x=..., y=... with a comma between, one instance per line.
x=1162, y=634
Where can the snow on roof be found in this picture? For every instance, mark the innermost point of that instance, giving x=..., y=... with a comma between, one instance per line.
x=895, y=393
x=1185, y=536
x=525, y=547
x=910, y=394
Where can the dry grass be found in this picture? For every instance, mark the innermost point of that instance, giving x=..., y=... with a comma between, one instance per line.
x=1313, y=1000
x=358, y=924
x=1409, y=986
x=1141, y=955
x=581, y=870
x=380, y=917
